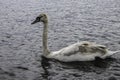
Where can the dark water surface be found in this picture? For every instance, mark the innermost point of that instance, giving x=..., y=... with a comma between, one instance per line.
x=69, y=21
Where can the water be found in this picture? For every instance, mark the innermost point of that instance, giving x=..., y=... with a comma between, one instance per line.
x=69, y=21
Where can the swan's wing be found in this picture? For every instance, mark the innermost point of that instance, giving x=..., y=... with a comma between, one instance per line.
x=67, y=51
x=70, y=50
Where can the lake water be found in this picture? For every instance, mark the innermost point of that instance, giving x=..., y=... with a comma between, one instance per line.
x=69, y=21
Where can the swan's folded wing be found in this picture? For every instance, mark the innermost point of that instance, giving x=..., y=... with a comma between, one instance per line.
x=70, y=50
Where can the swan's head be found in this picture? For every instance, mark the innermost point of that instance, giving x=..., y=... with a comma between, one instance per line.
x=41, y=18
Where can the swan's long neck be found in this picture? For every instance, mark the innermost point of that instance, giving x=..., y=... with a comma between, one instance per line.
x=45, y=36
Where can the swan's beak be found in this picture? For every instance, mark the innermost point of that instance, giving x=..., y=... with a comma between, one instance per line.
x=38, y=19
x=35, y=21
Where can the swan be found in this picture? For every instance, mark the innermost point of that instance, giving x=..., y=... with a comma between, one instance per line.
x=80, y=51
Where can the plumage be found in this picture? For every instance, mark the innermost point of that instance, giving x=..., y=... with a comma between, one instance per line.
x=80, y=51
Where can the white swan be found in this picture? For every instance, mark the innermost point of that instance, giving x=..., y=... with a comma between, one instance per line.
x=80, y=51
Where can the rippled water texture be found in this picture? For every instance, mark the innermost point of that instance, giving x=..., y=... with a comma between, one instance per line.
x=69, y=21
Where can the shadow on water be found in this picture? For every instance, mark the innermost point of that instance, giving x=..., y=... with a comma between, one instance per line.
x=98, y=66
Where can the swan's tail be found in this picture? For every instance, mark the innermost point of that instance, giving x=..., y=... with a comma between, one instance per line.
x=110, y=53
x=114, y=52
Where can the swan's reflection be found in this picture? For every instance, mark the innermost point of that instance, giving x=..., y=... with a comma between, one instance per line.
x=103, y=63
x=99, y=65
x=45, y=65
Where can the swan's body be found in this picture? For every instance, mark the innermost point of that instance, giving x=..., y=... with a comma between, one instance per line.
x=73, y=53
x=80, y=51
